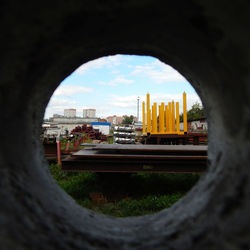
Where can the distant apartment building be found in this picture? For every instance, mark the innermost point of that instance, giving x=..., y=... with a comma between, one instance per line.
x=90, y=113
x=69, y=120
x=135, y=119
x=102, y=120
x=57, y=116
x=115, y=120
x=70, y=112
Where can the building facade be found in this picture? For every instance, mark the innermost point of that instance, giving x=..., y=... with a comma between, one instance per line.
x=70, y=112
x=73, y=120
x=115, y=120
x=91, y=113
x=196, y=126
x=103, y=127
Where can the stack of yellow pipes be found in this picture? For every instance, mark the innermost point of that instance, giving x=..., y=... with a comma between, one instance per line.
x=169, y=118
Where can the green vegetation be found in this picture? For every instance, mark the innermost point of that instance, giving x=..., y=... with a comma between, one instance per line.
x=71, y=144
x=128, y=119
x=110, y=139
x=195, y=113
x=124, y=194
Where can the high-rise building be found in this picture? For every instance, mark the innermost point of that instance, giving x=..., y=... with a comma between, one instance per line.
x=70, y=112
x=89, y=113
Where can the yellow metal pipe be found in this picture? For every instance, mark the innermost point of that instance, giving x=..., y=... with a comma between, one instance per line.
x=173, y=117
x=170, y=117
x=148, y=114
x=150, y=122
x=162, y=117
x=154, y=118
x=184, y=112
x=166, y=118
x=156, y=121
x=177, y=118
x=153, y=114
x=143, y=118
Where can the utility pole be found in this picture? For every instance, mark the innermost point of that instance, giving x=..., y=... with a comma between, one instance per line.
x=138, y=100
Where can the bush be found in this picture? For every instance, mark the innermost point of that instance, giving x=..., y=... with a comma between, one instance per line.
x=147, y=205
x=124, y=194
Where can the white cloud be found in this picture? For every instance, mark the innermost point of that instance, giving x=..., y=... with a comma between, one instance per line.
x=57, y=106
x=69, y=90
x=119, y=105
x=95, y=64
x=116, y=81
x=128, y=104
x=123, y=101
x=60, y=102
x=158, y=98
x=115, y=72
x=123, y=105
x=108, y=61
x=114, y=60
x=159, y=72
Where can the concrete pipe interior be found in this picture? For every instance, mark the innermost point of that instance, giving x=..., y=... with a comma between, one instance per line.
x=208, y=43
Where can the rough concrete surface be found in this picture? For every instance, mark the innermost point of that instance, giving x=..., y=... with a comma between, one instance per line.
x=42, y=42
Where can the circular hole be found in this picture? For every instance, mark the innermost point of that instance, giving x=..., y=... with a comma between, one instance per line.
x=203, y=41
x=105, y=90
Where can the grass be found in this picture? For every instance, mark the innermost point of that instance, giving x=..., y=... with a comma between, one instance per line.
x=124, y=195
x=110, y=139
x=71, y=145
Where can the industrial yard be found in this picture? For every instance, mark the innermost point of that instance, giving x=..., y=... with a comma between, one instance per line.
x=127, y=169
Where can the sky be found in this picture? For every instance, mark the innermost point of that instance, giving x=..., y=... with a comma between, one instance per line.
x=112, y=85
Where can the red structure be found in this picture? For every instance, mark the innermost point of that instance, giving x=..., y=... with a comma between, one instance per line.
x=89, y=132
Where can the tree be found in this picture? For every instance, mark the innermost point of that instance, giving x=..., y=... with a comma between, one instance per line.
x=128, y=119
x=195, y=113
